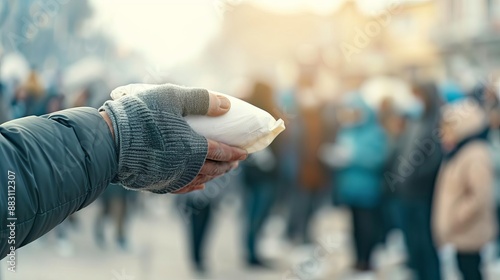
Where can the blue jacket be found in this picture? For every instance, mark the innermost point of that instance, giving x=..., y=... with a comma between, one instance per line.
x=359, y=179
x=51, y=166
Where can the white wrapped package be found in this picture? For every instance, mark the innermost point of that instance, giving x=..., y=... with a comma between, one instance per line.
x=244, y=126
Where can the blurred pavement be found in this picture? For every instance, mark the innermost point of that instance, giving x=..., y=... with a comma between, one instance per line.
x=158, y=250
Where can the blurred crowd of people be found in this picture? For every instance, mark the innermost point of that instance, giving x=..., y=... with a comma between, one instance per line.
x=32, y=97
x=421, y=159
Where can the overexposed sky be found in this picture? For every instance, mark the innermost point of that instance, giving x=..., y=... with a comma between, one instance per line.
x=287, y=6
x=169, y=32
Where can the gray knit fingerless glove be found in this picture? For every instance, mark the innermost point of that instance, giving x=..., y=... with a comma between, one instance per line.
x=158, y=150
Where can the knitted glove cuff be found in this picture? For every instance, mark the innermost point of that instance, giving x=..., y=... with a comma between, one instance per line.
x=158, y=150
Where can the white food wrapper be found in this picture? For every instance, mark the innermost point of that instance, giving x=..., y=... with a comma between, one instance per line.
x=244, y=126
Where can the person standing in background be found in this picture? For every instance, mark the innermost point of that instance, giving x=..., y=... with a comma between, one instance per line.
x=358, y=157
x=493, y=109
x=28, y=97
x=260, y=179
x=18, y=103
x=115, y=201
x=196, y=210
x=53, y=100
x=83, y=98
x=464, y=211
x=34, y=93
x=310, y=172
x=393, y=122
x=412, y=179
x=258, y=176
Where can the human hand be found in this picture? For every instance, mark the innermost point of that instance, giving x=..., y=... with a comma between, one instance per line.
x=158, y=150
x=221, y=159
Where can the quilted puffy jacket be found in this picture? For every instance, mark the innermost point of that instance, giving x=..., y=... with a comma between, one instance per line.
x=50, y=167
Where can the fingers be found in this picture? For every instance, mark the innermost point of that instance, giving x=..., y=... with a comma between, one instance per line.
x=197, y=184
x=218, y=105
x=216, y=168
x=201, y=179
x=209, y=171
x=221, y=152
x=189, y=188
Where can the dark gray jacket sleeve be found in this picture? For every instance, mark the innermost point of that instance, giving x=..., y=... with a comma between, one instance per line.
x=51, y=167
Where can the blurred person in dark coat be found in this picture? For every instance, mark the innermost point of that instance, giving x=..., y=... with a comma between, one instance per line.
x=311, y=178
x=83, y=98
x=28, y=97
x=197, y=211
x=115, y=201
x=259, y=188
x=358, y=157
x=464, y=211
x=19, y=102
x=52, y=101
x=260, y=178
x=35, y=93
x=393, y=122
x=413, y=177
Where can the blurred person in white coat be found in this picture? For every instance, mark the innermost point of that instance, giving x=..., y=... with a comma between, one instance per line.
x=464, y=207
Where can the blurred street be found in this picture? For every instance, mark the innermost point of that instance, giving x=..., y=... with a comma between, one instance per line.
x=158, y=251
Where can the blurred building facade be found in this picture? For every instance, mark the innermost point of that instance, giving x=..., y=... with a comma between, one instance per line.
x=347, y=45
x=470, y=29
x=409, y=44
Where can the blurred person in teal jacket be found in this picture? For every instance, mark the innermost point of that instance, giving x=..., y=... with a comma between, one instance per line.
x=358, y=157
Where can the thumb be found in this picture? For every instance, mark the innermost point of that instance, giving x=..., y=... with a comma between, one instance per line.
x=218, y=105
